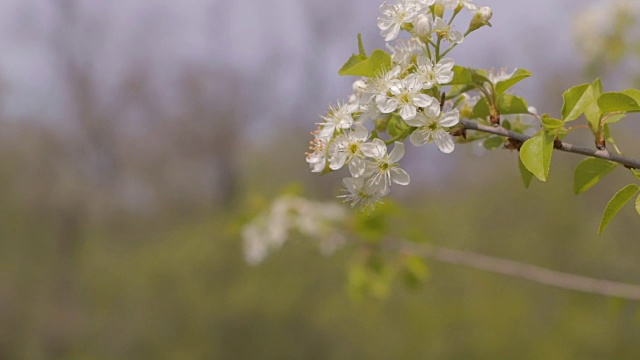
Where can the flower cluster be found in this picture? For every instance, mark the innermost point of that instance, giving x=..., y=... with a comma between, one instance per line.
x=401, y=100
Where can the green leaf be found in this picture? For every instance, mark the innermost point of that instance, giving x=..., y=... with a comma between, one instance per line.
x=536, y=155
x=507, y=105
x=510, y=104
x=461, y=76
x=575, y=100
x=617, y=202
x=396, y=126
x=481, y=110
x=361, y=46
x=589, y=172
x=582, y=99
x=493, y=142
x=617, y=102
x=415, y=271
x=638, y=205
x=636, y=173
x=592, y=110
x=361, y=65
x=551, y=124
x=633, y=93
x=518, y=75
x=369, y=67
x=526, y=175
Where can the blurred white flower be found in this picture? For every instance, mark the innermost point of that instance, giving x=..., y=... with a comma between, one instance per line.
x=270, y=230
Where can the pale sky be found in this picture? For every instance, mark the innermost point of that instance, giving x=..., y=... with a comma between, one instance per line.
x=268, y=42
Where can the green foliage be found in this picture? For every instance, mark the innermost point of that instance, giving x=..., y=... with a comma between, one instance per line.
x=616, y=203
x=580, y=100
x=518, y=75
x=414, y=271
x=396, y=126
x=462, y=76
x=536, y=154
x=551, y=124
x=526, y=175
x=507, y=105
x=361, y=65
x=589, y=172
x=612, y=102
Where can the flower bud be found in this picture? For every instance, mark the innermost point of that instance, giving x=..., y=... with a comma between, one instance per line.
x=438, y=10
x=422, y=25
x=480, y=19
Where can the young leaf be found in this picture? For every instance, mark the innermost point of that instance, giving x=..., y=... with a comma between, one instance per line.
x=526, y=175
x=575, y=101
x=507, y=105
x=589, y=172
x=638, y=205
x=551, y=124
x=633, y=93
x=361, y=46
x=511, y=104
x=617, y=102
x=636, y=173
x=461, y=76
x=536, y=154
x=616, y=203
x=358, y=65
x=518, y=75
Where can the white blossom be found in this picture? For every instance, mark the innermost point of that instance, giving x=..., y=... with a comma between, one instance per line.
x=443, y=30
x=317, y=157
x=403, y=51
x=338, y=117
x=404, y=95
x=434, y=128
x=434, y=74
x=362, y=192
x=394, y=16
x=383, y=168
x=346, y=148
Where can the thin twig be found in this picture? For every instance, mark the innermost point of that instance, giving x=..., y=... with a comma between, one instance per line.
x=518, y=270
x=562, y=146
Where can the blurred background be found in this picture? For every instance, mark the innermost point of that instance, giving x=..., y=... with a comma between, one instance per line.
x=137, y=136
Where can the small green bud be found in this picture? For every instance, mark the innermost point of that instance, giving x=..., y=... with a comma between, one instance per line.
x=438, y=10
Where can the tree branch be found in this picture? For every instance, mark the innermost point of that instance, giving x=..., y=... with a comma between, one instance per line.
x=517, y=270
x=562, y=146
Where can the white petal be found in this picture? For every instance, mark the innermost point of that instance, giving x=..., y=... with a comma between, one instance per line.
x=400, y=176
x=423, y=100
x=359, y=134
x=397, y=153
x=419, y=137
x=408, y=112
x=388, y=105
x=455, y=37
x=337, y=162
x=444, y=142
x=445, y=64
x=419, y=120
x=375, y=149
x=356, y=167
x=450, y=118
x=432, y=111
